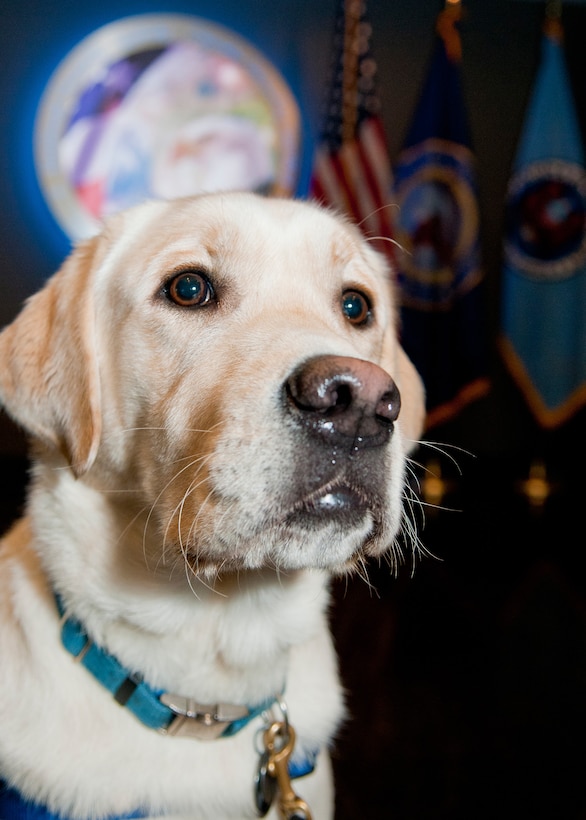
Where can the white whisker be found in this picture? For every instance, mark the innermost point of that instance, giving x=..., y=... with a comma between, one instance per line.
x=200, y=460
x=361, y=570
x=391, y=241
x=385, y=207
x=443, y=450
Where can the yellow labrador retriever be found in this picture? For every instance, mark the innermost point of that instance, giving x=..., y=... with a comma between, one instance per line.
x=219, y=414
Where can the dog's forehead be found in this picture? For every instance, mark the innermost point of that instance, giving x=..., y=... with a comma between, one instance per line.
x=239, y=229
x=249, y=218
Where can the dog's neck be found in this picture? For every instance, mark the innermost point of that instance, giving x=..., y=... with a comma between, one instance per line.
x=227, y=641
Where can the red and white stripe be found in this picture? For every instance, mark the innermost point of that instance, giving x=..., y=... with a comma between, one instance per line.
x=357, y=181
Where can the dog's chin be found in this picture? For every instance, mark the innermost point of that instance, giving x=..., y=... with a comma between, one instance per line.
x=331, y=529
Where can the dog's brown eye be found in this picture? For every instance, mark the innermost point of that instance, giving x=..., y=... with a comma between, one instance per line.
x=356, y=307
x=190, y=289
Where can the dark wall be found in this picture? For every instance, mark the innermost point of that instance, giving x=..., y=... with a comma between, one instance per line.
x=501, y=40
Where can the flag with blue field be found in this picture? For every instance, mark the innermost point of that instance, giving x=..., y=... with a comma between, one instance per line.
x=543, y=308
x=436, y=224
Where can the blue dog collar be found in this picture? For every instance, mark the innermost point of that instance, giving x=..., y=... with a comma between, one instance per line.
x=169, y=714
x=157, y=710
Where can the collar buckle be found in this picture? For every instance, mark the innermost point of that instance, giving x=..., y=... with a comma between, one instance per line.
x=200, y=721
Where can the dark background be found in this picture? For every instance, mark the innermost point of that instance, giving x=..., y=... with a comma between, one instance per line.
x=467, y=679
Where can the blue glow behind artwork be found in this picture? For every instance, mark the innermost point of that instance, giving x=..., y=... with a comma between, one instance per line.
x=35, y=38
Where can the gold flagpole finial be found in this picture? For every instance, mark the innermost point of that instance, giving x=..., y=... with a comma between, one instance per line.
x=552, y=26
x=446, y=28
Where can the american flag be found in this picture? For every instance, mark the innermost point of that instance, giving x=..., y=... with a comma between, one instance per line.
x=352, y=171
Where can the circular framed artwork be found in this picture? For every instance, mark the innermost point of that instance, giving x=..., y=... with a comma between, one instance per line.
x=161, y=106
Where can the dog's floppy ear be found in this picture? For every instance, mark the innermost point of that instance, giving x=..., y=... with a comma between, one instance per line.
x=49, y=381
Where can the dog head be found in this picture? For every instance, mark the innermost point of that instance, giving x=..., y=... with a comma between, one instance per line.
x=231, y=363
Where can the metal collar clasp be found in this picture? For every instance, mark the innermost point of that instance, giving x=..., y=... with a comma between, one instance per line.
x=201, y=721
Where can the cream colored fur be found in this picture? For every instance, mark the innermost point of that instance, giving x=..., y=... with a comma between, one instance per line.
x=161, y=469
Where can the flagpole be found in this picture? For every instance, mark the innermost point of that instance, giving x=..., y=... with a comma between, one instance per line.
x=350, y=75
x=537, y=487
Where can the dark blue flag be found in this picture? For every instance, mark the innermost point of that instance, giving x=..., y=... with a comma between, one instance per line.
x=440, y=276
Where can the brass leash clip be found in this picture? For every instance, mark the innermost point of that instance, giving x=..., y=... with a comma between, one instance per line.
x=279, y=740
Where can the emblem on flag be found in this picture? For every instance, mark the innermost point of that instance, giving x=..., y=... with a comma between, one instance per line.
x=545, y=217
x=436, y=222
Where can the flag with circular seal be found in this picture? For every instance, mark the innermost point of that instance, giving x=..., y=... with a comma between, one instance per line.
x=543, y=304
x=436, y=226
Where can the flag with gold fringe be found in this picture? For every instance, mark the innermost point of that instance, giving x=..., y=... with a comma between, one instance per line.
x=543, y=305
x=436, y=226
x=352, y=171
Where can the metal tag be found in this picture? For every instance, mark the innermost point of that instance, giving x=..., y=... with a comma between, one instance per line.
x=265, y=787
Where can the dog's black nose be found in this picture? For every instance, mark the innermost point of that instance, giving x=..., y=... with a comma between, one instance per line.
x=338, y=397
